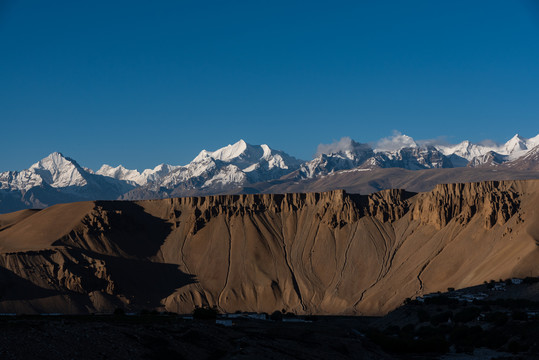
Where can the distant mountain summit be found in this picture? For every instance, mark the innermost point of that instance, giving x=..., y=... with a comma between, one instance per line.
x=225, y=169
x=55, y=171
x=468, y=154
x=406, y=153
x=529, y=161
x=257, y=162
x=55, y=179
x=351, y=155
x=237, y=167
x=133, y=176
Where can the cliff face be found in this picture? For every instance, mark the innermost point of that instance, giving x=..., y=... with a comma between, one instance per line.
x=323, y=253
x=494, y=201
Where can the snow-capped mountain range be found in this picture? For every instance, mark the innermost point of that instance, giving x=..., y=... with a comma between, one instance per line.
x=57, y=178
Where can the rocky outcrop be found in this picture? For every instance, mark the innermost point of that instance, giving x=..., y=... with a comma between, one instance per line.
x=336, y=208
x=321, y=253
x=494, y=201
x=388, y=205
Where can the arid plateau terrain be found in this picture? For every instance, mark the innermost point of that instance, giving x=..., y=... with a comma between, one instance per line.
x=329, y=253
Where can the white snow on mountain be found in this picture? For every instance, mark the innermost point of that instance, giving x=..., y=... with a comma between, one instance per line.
x=493, y=154
x=240, y=163
x=57, y=178
x=135, y=177
x=518, y=146
x=532, y=154
x=227, y=153
x=413, y=158
x=395, y=142
x=59, y=171
x=55, y=170
x=227, y=175
x=250, y=157
x=400, y=150
x=23, y=180
x=235, y=163
x=119, y=172
x=490, y=158
x=514, y=147
x=465, y=149
x=341, y=155
x=343, y=146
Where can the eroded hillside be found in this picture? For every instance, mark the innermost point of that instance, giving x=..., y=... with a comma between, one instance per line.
x=321, y=253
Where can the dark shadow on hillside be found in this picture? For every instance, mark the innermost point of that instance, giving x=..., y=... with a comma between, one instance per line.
x=15, y=288
x=143, y=282
x=120, y=226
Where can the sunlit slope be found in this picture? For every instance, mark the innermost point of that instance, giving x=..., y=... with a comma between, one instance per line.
x=322, y=253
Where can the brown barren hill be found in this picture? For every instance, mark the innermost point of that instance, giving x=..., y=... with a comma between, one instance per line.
x=314, y=253
x=6, y=220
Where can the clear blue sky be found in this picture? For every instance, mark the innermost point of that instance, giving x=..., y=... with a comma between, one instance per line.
x=140, y=82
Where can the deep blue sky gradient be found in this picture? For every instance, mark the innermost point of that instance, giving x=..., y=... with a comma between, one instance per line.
x=140, y=83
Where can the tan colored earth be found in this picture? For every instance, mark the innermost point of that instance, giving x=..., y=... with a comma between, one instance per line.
x=314, y=253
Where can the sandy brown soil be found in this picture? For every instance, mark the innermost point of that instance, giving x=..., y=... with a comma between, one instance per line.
x=315, y=253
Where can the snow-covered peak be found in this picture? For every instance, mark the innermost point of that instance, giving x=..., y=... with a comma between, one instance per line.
x=59, y=171
x=515, y=145
x=345, y=148
x=533, y=142
x=341, y=155
x=134, y=176
x=225, y=154
x=52, y=162
x=267, y=151
x=465, y=149
x=119, y=172
x=396, y=142
x=158, y=171
x=248, y=157
x=107, y=169
x=231, y=165
x=460, y=148
x=514, y=148
x=407, y=142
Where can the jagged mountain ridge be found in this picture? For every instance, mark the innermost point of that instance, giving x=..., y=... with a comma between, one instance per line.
x=315, y=253
x=133, y=176
x=410, y=155
x=242, y=167
x=55, y=179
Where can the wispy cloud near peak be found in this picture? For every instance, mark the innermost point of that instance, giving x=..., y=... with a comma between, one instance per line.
x=395, y=142
x=344, y=144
